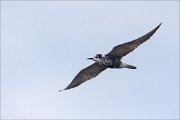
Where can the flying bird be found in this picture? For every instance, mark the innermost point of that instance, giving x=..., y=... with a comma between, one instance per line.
x=113, y=59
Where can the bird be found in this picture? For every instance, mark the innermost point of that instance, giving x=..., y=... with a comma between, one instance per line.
x=113, y=60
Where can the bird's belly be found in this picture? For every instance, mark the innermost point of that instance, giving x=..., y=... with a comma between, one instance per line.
x=113, y=63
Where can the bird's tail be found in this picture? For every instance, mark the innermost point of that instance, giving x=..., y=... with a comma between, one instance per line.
x=125, y=65
x=131, y=67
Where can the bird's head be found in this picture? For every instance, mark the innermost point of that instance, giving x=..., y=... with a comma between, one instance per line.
x=97, y=58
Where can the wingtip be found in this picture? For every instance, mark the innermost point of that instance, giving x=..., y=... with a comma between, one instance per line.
x=60, y=90
x=159, y=24
x=157, y=27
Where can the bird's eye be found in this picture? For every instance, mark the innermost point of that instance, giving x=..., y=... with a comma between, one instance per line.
x=96, y=57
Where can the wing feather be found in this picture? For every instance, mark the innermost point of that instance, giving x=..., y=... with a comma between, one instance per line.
x=86, y=74
x=123, y=49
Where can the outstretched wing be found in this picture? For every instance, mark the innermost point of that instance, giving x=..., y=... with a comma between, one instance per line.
x=86, y=74
x=123, y=49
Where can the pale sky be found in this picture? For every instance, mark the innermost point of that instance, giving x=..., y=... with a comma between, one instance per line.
x=44, y=44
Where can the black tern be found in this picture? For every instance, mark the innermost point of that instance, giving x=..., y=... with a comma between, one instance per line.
x=111, y=60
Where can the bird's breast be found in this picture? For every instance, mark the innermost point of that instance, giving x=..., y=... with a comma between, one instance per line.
x=112, y=62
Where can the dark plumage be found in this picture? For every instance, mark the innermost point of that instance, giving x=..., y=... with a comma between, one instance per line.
x=124, y=49
x=86, y=74
x=110, y=60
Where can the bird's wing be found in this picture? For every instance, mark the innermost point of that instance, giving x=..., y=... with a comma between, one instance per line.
x=86, y=74
x=123, y=49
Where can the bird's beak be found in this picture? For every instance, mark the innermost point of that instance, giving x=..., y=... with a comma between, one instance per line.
x=90, y=58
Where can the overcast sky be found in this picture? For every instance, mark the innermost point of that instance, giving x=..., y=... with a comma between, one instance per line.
x=44, y=44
